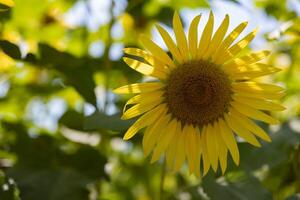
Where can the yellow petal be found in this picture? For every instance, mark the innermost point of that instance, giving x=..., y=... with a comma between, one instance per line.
x=144, y=121
x=164, y=139
x=205, y=157
x=170, y=44
x=253, y=113
x=146, y=56
x=249, y=59
x=259, y=103
x=140, y=109
x=197, y=140
x=229, y=40
x=254, y=74
x=222, y=149
x=241, y=131
x=235, y=67
x=258, y=94
x=212, y=147
x=250, y=71
x=206, y=36
x=254, y=86
x=146, y=97
x=223, y=157
x=180, y=36
x=157, y=51
x=138, y=88
x=171, y=151
x=180, y=152
x=193, y=36
x=190, y=147
x=235, y=49
x=250, y=125
x=230, y=141
x=217, y=38
x=146, y=69
x=154, y=132
x=147, y=135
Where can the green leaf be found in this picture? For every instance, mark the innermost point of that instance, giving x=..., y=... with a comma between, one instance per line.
x=294, y=197
x=99, y=120
x=247, y=187
x=273, y=153
x=276, y=161
x=96, y=121
x=51, y=184
x=10, y=49
x=6, y=4
x=178, y=4
x=72, y=119
x=8, y=188
x=77, y=71
x=45, y=171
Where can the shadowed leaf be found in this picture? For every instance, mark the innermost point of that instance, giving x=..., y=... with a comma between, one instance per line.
x=10, y=49
x=100, y=120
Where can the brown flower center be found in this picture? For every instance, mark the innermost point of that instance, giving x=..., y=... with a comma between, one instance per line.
x=198, y=93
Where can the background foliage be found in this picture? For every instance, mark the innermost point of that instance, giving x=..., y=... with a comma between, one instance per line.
x=60, y=127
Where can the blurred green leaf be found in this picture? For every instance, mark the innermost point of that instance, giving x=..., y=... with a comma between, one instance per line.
x=51, y=184
x=276, y=8
x=273, y=153
x=294, y=197
x=99, y=120
x=10, y=49
x=77, y=71
x=72, y=119
x=6, y=4
x=178, y=4
x=45, y=171
x=8, y=188
x=246, y=187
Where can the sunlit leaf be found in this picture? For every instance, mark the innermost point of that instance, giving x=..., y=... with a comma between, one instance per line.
x=177, y=4
x=6, y=4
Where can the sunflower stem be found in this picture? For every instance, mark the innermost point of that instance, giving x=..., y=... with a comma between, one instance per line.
x=107, y=62
x=162, y=180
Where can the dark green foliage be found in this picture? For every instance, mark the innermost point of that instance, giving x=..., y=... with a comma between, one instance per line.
x=72, y=119
x=10, y=49
x=8, y=190
x=247, y=187
x=44, y=171
x=100, y=120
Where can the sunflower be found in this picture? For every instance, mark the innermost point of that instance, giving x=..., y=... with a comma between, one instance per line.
x=203, y=97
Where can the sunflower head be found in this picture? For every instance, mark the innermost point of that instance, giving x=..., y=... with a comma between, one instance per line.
x=198, y=93
x=205, y=95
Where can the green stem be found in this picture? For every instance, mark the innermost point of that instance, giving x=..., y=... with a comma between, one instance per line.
x=107, y=62
x=162, y=181
x=296, y=166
